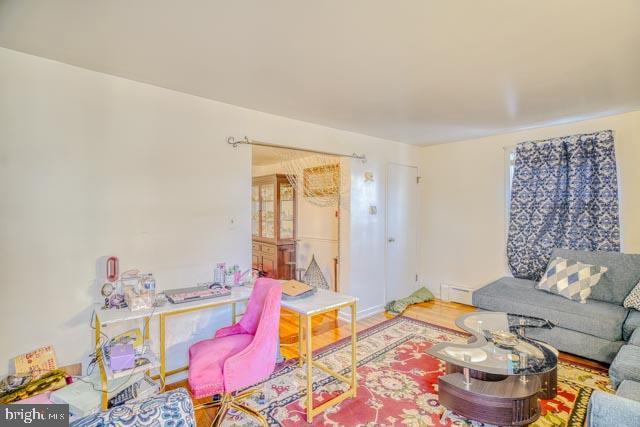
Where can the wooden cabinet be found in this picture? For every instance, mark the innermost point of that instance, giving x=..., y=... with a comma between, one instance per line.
x=273, y=225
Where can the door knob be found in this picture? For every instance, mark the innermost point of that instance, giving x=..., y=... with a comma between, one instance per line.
x=392, y=239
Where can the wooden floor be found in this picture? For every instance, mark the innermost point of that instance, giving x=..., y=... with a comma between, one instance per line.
x=327, y=329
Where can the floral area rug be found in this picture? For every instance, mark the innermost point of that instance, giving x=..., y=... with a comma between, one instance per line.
x=398, y=384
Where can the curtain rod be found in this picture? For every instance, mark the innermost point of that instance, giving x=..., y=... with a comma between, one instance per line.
x=246, y=141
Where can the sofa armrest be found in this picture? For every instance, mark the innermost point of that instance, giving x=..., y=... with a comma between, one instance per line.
x=635, y=337
x=607, y=410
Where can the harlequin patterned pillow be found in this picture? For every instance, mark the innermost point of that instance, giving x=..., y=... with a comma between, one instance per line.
x=570, y=279
x=633, y=299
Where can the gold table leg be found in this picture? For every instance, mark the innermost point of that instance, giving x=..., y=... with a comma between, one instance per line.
x=163, y=353
x=300, y=339
x=103, y=374
x=352, y=381
x=147, y=335
x=309, y=358
x=233, y=313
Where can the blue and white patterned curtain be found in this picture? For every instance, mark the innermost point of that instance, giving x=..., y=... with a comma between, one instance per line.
x=564, y=194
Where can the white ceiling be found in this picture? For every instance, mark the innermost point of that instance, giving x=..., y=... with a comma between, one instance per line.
x=418, y=71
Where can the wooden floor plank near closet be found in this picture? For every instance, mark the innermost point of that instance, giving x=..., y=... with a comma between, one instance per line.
x=328, y=329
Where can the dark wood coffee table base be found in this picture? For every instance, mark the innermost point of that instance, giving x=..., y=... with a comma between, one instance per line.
x=507, y=402
x=548, y=380
x=496, y=399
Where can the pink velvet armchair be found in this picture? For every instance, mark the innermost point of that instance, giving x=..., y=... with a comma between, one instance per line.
x=240, y=355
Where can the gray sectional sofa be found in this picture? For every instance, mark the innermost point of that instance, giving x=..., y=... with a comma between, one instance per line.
x=622, y=408
x=595, y=330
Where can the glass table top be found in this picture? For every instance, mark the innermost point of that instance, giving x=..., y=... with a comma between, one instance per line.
x=497, y=347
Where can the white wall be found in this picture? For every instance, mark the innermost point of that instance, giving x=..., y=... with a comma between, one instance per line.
x=92, y=164
x=463, y=196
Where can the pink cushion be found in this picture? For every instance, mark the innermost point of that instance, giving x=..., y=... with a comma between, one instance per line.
x=206, y=359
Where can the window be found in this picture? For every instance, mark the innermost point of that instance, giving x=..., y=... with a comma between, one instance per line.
x=510, y=165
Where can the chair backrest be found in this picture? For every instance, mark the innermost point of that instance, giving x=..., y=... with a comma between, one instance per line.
x=258, y=360
x=251, y=316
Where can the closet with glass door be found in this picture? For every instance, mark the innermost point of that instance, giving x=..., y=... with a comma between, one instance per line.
x=273, y=223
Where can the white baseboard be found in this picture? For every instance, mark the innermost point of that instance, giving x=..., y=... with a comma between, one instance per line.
x=363, y=314
x=455, y=293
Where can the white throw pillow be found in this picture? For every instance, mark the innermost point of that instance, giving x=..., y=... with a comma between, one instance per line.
x=570, y=279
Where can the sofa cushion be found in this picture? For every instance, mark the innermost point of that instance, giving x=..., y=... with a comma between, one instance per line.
x=519, y=296
x=577, y=343
x=622, y=275
x=631, y=324
x=626, y=365
x=629, y=389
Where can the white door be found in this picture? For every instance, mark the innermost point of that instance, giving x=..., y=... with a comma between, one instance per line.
x=402, y=231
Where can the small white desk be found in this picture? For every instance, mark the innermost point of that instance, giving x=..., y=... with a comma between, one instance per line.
x=322, y=302
x=104, y=318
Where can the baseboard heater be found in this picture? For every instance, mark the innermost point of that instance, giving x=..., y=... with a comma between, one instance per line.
x=456, y=293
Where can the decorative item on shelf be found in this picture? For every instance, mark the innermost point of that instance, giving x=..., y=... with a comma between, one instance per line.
x=108, y=282
x=313, y=276
x=232, y=276
x=149, y=285
x=113, y=269
x=161, y=299
x=219, y=273
x=136, y=295
x=130, y=278
x=248, y=278
x=132, y=336
x=121, y=357
x=111, y=298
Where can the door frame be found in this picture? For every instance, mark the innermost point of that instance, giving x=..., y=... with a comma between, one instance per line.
x=386, y=225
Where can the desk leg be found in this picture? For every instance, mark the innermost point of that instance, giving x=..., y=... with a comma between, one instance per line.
x=233, y=313
x=300, y=339
x=354, y=357
x=147, y=335
x=163, y=355
x=309, y=371
x=103, y=374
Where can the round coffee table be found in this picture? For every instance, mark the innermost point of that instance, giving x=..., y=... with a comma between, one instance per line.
x=499, y=376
